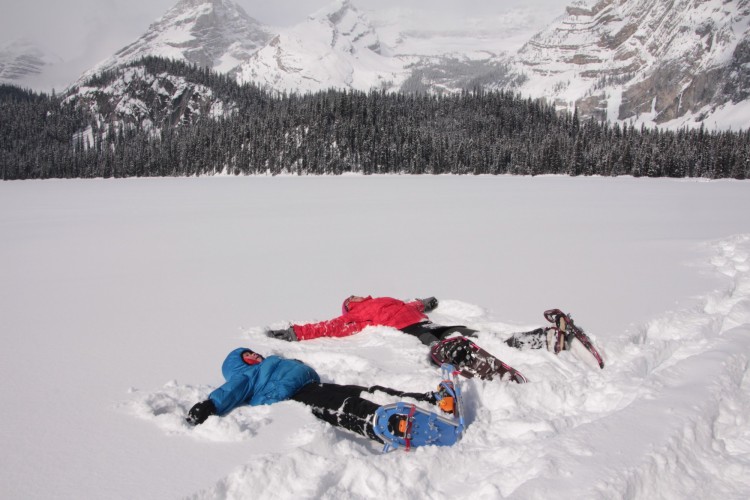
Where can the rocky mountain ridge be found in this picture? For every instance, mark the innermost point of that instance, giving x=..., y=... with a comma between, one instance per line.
x=151, y=95
x=660, y=60
x=215, y=34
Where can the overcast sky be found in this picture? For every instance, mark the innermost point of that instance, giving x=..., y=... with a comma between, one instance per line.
x=84, y=32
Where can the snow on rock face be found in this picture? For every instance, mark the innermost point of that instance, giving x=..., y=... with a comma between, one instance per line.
x=335, y=47
x=216, y=34
x=130, y=100
x=665, y=59
x=657, y=62
x=352, y=29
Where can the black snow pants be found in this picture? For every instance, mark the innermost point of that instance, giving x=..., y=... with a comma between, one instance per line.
x=342, y=406
x=428, y=332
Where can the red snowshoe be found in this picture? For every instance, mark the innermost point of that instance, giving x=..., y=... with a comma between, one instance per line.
x=471, y=360
x=565, y=335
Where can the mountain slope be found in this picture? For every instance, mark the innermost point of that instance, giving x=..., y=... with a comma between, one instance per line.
x=335, y=47
x=152, y=95
x=659, y=60
x=342, y=47
x=216, y=34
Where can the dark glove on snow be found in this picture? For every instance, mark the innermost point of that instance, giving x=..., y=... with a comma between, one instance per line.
x=430, y=304
x=200, y=412
x=287, y=334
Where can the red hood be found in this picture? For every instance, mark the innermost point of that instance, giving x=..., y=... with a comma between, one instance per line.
x=347, y=305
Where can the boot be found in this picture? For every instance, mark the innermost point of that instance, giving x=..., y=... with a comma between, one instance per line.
x=445, y=397
x=552, y=338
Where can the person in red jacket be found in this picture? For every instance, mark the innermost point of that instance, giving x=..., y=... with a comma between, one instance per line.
x=409, y=317
x=361, y=312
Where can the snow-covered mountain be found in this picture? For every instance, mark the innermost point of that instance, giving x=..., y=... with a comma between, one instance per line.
x=339, y=46
x=342, y=46
x=335, y=47
x=667, y=62
x=216, y=34
x=657, y=60
x=22, y=60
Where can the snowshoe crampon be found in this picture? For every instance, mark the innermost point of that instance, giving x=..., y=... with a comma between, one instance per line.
x=575, y=340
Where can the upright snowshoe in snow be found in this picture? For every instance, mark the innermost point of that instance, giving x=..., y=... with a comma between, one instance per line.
x=471, y=360
x=565, y=335
x=404, y=425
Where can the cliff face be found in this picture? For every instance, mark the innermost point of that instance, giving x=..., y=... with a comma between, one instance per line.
x=216, y=34
x=619, y=59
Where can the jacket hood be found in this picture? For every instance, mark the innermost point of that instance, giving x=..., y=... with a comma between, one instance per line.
x=347, y=306
x=234, y=364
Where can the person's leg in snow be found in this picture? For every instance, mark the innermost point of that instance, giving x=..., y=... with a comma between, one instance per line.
x=342, y=406
x=535, y=339
x=430, y=333
x=551, y=338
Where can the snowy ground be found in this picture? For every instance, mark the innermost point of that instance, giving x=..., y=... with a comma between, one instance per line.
x=120, y=298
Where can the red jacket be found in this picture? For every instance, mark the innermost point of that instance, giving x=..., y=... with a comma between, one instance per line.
x=382, y=311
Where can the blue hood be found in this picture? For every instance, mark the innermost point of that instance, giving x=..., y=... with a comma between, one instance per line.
x=234, y=364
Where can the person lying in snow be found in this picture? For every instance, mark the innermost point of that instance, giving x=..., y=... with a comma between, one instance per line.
x=252, y=379
x=409, y=317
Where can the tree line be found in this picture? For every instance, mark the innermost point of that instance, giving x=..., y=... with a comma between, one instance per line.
x=336, y=131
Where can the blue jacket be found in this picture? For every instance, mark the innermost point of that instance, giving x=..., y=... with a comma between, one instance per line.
x=272, y=380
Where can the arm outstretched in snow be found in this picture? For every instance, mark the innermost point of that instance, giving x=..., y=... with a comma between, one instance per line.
x=337, y=327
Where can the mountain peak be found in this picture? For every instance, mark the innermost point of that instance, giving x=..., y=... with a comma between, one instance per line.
x=336, y=46
x=190, y=4
x=216, y=34
x=341, y=8
x=349, y=25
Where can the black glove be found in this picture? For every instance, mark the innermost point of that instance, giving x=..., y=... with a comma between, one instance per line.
x=200, y=412
x=430, y=304
x=287, y=334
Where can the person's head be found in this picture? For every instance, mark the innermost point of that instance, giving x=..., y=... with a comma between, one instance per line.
x=239, y=361
x=352, y=298
x=251, y=357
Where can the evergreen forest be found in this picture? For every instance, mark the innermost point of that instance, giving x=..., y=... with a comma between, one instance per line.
x=334, y=132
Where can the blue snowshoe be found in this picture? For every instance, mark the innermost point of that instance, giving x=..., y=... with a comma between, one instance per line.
x=405, y=425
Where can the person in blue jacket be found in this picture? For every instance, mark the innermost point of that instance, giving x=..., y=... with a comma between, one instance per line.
x=254, y=380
